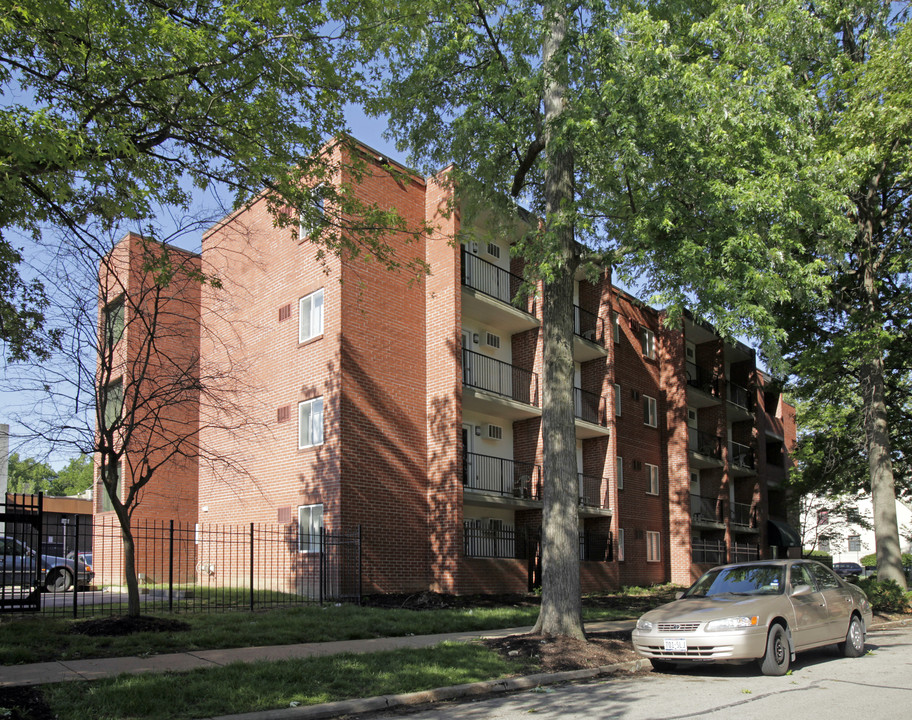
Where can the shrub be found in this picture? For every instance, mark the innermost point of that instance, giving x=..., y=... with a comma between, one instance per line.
x=871, y=560
x=820, y=556
x=885, y=595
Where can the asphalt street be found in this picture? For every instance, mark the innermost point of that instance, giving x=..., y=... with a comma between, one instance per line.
x=822, y=685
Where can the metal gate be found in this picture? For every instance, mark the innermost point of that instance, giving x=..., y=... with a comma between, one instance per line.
x=21, y=521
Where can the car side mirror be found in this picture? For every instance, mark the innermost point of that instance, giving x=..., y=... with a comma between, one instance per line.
x=801, y=590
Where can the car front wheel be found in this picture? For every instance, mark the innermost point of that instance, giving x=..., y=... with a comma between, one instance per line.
x=853, y=646
x=776, y=659
x=58, y=580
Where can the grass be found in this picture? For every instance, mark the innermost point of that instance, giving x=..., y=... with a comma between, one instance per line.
x=41, y=639
x=270, y=685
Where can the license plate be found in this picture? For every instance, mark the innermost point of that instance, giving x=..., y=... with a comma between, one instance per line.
x=675, y=645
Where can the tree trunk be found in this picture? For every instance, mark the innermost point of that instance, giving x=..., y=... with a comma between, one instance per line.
x=561, y=610
x=129, y=549
x=877, y=432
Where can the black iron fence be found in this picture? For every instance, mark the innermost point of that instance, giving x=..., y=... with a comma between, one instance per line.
x=501, y=476
x=493, y=539
x=182, y=567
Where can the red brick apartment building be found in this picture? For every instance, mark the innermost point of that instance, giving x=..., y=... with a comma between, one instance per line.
x=413, y=410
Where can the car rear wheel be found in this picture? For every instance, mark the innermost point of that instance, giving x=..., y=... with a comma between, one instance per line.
x=58, y=580
x=662, y=665
x=853, y=646
x=776, y=659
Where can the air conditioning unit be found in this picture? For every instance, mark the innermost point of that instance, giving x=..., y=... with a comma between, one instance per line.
x=635, y=394
x=637, y=465
x=492, y=340
x=495, y=432
x=493, y=250
x=634, y=325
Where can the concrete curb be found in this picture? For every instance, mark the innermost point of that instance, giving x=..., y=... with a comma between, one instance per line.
x=453, y=692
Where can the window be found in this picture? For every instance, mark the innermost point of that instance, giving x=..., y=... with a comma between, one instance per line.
x=647, y=338
x=650, y=411
x=652, y=473
x=310, y=423
x=112, y=398
x=106, y=504
x=310, y=312
x=620, y=544
x=311, y=219
x=113, y=323
x=620, y=472
x=616, y=326
x=824, y=576
x=653, y=546
x=617, y=400
x=310, y=524
x=823, y=517
x=824, y=544
x=854, y=543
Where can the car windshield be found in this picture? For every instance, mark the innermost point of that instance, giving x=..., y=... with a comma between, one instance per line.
x=740, y=580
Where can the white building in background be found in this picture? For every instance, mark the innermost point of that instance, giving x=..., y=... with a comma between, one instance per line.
x=830, y=531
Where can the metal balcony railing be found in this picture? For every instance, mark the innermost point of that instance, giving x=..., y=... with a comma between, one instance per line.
x=742, y=456
x=706, y=509
x=488, y=278
x=588, y=406
x=486, y=373
x=741, y=515
x=704, y=443
x=503, y=477
x=491, y=538
x=740, y=396
x=744, y=553
x=701, y=379
x=588, y=325
x=710, y=552
x=591, y=493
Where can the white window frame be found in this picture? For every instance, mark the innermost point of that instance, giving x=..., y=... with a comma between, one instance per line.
x=653, y=546
x=311, y=518
x=652, y=475
x=620, y=544
x=310, y=423
x=648, y=341
x=650, y=411
x=617, y=400
x=854, y=540
x=619, y=471
x=310, y=316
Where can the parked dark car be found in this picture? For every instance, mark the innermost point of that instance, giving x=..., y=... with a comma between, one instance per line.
x=18, y=568
x=847, y=569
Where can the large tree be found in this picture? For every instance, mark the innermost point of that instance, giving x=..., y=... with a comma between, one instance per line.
x=628, y=130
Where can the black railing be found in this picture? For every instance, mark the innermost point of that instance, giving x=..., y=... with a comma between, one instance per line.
x=706, y=509
x=595, y=547
x=744, y=553
x=704, y=443
x=588, y=406
x=742, y=456
x=486, y=373
x=740, y=396
x=741, y=514
x=710, y=552
x=187, y=567
x=593, y=491
x=503, y=477
x=488, y=278
x=495, y=539
x=588, y=325
x=701, y=379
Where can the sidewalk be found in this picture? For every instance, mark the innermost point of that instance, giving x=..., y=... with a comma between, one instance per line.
x=70, y=670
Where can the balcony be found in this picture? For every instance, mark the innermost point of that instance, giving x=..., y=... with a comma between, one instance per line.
x=593, y=492
x=495, y=539
x=708, y=552
x=702, y=386
x=496, y=387
x=705, y=449
x=741, y=552
x=589, y=411
x=507, y=478
x=589, y=335
x=740, y=403
x=488, y=294
x=742, y=516
x=706, y=511
x=742, y=459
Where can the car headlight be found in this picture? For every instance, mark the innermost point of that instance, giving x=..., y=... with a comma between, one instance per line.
x=643, y=624
x=732, y=623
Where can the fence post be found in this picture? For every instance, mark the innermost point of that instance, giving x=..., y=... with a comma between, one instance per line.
x=75, y=564
x=320, y=573
x=251, y=567
x=171, y=565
